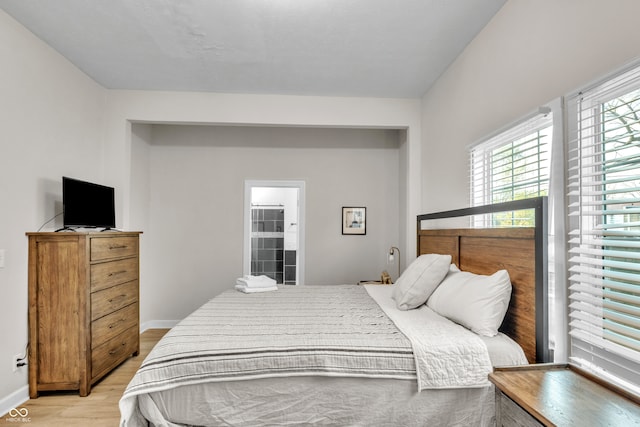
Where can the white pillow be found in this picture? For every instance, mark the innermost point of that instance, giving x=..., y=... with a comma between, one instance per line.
x=475, y=301
x=417, y=282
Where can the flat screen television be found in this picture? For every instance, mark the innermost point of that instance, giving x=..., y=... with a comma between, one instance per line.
x=86, y=204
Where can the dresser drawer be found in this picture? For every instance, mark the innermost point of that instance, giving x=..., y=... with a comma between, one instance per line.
x=108, y=355
x=111, y=299
x=108, y=274
x=107, y=327
x=113, y=247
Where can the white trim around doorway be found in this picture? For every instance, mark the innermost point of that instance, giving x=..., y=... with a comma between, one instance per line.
x=250, y=184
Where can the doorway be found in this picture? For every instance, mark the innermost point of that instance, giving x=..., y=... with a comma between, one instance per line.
x=274, y=230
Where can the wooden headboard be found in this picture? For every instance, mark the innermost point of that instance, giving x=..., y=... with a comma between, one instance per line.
x=522, y=251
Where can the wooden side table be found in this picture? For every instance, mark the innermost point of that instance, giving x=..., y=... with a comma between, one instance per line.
x=385, y=279
x=372, y=282
x=560, y=395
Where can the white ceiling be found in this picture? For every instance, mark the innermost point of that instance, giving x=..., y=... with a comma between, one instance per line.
x=370, y=48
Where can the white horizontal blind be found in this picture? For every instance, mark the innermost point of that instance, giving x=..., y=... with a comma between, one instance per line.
x=512, y=165
x=604, y=226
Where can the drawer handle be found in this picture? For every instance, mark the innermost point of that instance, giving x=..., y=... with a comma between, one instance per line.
x=118, y=247
x=115, y=350
x=113, y=325
x=117, y=298
x=115, y=273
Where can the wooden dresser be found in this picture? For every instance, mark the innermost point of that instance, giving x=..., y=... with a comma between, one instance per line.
x=560, y=395
x=83, y=307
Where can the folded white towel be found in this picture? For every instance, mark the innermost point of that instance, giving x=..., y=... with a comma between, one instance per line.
x=248, y=290
x=256, y=281
x=262, y=278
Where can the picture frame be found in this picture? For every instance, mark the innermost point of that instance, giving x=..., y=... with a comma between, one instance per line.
x=354, y=220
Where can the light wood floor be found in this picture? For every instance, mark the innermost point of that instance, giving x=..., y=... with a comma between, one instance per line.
x=98, y=409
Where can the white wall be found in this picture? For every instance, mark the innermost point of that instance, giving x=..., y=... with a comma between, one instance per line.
x=50, y=126
x=529, y=54
x=127, y=107
x=195, y=233
x=140, y=203
x=140, y=182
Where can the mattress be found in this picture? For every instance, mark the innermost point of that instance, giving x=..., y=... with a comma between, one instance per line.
x=319, y=401
x=356, y=323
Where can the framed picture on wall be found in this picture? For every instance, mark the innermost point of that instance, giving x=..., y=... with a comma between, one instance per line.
x=354, y=220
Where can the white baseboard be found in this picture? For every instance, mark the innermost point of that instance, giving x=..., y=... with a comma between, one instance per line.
x=14, y=400
x=158, y=324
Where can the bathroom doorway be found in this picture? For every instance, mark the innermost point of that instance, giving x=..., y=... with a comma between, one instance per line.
x=274, y=230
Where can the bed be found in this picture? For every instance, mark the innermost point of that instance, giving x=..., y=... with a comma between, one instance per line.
x=345, y=355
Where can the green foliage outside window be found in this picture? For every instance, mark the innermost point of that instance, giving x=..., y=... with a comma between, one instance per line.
x=520, y=170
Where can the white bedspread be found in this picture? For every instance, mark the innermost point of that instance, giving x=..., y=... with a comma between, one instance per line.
x=310, y=331
x=447, y=355
x=295, y=331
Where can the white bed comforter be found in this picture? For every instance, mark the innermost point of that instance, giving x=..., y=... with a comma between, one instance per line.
x=446, y=354
x=321, y=330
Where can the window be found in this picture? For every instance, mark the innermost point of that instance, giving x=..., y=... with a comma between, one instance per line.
x=604, y=227
x=512, y=165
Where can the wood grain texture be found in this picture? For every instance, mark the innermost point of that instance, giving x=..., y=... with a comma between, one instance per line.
x=485, y=251
x=108, y=247
x=108, y=355
x=111, y=299
x=83, y=293
x=563, y=395
x=100, y=408
x=446, y=245
x=107, y=274
x=113, y=324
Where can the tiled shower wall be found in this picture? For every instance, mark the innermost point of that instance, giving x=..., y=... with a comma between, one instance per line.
x=267, y=246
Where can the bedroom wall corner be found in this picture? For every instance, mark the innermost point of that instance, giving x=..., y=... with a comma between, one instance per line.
x=140, y=203
x=410, y=192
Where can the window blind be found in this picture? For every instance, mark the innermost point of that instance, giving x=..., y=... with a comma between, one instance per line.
x=604, y=226
x=512, y=165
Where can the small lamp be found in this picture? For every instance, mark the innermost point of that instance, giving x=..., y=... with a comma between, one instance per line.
x=392, y=258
